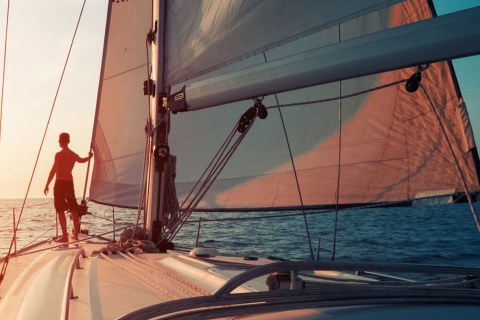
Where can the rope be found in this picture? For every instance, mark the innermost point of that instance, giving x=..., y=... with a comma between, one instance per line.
x=217, y=155
x=391, y=84
x=130, y=239
x=5, y=263
x=148, y=265
x=216, y=171
x=212, y=171
x=172, y=208
x=98, y=236
x=4, y=66
x=166, y=290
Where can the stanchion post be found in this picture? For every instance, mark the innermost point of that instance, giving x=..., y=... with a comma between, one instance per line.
x=14, y=232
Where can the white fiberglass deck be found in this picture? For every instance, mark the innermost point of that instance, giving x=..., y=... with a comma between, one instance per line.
x=79, y=281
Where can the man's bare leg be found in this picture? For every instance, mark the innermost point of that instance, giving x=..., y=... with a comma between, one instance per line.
x=76, y=224
x=63, y=225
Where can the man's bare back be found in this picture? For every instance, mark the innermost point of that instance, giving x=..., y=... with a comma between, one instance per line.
x=64, y=162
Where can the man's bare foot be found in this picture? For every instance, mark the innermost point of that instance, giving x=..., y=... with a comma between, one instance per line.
x=61, y=239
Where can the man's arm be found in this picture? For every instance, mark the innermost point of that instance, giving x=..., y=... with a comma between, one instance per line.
x=83, y=160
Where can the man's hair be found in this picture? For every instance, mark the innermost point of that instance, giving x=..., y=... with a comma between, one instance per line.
x=64, y=137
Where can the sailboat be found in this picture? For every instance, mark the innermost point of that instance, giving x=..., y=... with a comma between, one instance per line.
x=272, y=105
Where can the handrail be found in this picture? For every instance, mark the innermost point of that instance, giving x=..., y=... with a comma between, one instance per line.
x=224, y=304
x=286, y=266
x=69, y=289
x=242, y=304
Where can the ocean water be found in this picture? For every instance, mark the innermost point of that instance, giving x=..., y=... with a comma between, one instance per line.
x=440, y=235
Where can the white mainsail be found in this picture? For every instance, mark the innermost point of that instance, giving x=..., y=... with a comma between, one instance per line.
x=381, y=146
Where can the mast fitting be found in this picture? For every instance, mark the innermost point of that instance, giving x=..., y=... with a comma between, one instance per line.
x=151, y=34
x=149, y=88
x=161, y=153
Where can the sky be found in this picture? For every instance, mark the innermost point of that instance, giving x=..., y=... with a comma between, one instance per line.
x=39, y=37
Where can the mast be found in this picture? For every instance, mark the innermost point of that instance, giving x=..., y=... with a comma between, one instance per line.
x=159, y=151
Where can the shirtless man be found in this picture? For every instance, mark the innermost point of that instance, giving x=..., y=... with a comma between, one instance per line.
x=63, y=191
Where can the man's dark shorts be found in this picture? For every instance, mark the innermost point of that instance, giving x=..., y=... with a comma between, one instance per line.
x=64, y=196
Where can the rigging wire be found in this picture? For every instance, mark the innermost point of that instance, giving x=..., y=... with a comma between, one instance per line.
x=337, y=195
x=462, y=178
x=4, y=66
x=406, y=145
x=43, y=234
x=5, y=263
x=296, y=181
